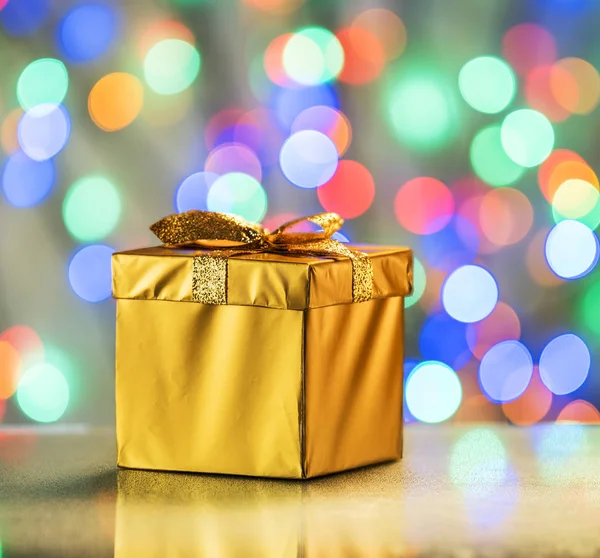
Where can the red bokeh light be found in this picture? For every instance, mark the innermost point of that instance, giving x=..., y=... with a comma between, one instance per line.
x=532, y=406
x=350, y=192
x=527, y=46
x=424, y=205
x=580, y=412
x=364, y=57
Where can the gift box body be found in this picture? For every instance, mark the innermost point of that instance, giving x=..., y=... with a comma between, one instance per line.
x=289, y=379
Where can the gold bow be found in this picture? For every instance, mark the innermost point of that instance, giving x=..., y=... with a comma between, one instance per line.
x=228, y=235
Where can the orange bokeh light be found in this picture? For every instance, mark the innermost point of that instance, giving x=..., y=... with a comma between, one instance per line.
x=8, y=133
x=273, y=61
x=579, y=412
x=430, y=300
x=575, y=85
x=161, y=31
x=568, y=170
x=547, y=168
x=387, y=26
x=275, y=6
x=538, y=91
x=505, y=216
x=10, y=370
x=115, y=101
x=532, y=406
x=364, y=57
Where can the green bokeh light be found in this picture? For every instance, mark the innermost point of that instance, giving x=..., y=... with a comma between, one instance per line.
x=92, y=208
x=589, y=308
x=527, y=137
x=578, y=200
x=43, y=393
x=240, y=194
x=489, y=160
x=488, y=84
x=421, y=109
x=171, y=66
x=312, y=56
x=44, y=81
x=419, y=282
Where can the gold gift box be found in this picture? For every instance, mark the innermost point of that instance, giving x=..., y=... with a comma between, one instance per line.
x=288, y=379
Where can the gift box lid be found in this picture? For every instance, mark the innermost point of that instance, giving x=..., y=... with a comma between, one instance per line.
x=272, y=280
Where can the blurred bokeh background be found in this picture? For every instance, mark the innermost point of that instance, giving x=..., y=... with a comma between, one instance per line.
x=467, y=130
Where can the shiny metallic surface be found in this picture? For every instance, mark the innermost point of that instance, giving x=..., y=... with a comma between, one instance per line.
x=463, y=491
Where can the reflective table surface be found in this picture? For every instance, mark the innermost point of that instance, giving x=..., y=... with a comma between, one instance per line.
x=461, y=491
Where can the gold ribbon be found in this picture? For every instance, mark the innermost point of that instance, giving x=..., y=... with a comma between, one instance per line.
x=228, y=235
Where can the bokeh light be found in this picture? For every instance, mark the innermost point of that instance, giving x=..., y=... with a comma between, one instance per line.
x=579, y=412
x=501, y=325
x=289, y=103
x=115, y=101
x=589, y=308
x=538, y=91
x=532, y=406
x=329, y=121
x=22, y=18
x=349, y=192
x=43, y=393
x=273, y=61
x=364, y=55
x=92, y=208
x=275, y=6
x=26, y=182
x=193, y=191
x=489, y=160
x=10, y=369
x=312, y=56
x=527, y=137
x=163, y=29
x=584, y=91
x=470, y=293
x=433, y=392
x=233, y=157
x=424, y=205
x=419, y=283
x=444, y=339
x=8, y=133
x=87, y=31
x=558, y=168
x=455, y=245
x=308, y=159
x=90, y=272
x=527, y=46
x=505, y=371
x=26, y=341
x=387, y=27
x=171, y=66
x=43, y=81
x=421, y=111
x=487, y=84
x=579, y=200
x=239, y=194
x=571, y=249
x=536, y=262
x=564, y=364
x=505, y=216
x=44, y=130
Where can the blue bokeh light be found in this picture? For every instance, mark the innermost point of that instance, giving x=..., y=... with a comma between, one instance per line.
x=44, y=130
x=87, y=31
x=565, y=364
x=90, y=272
x=193, y=191
x=433, y=392
x=505, y=371
x=571, y=249
x=445, y=340
x=289, y=103
x=308, y=159
x=455, y=245
x=24, y=17
x=26, y=182
x=470, y=293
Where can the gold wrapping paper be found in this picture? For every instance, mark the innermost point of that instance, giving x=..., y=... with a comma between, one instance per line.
x=290, y=379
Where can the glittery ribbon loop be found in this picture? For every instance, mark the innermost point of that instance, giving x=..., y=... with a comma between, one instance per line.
x=227, y=235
